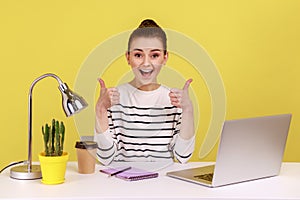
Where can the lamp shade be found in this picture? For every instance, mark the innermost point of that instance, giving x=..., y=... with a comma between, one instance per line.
x=71, y=102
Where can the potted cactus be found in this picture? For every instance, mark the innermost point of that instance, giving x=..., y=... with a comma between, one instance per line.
x=53, y=160
x=54, y=138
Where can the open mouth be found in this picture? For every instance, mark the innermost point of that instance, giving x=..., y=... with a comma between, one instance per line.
x=146, y=72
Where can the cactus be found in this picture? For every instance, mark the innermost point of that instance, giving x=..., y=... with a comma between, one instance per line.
x=57, y=138
x=62, y=132
x=46, y=134
x=54, y=137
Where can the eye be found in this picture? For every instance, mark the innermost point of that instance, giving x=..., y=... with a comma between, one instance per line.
x=155, y=55
x=137, y=55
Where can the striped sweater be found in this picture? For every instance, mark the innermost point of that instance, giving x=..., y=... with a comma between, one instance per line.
x=144, y=126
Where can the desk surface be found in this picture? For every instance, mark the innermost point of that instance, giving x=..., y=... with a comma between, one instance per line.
x=99, y=186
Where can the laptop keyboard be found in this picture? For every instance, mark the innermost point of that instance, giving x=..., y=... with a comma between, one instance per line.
x=207, y=177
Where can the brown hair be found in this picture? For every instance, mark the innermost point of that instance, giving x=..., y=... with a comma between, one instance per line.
x=149, y=29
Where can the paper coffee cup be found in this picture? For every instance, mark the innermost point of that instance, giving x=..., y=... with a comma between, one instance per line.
x=86, y=156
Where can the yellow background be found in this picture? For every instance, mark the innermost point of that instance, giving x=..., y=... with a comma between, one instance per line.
x=255, y=44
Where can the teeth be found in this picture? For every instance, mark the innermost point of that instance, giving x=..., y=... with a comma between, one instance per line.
x=146, y=70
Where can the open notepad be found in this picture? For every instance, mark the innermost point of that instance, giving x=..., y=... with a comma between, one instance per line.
x=132, y=174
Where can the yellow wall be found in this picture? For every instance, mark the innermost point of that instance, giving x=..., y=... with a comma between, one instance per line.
x=255, y=45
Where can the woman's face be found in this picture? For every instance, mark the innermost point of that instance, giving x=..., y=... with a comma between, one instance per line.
x=146, y=57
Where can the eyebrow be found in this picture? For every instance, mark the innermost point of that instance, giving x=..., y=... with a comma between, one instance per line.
x=137, y=49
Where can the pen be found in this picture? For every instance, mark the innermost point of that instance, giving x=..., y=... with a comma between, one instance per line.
x=120, y=171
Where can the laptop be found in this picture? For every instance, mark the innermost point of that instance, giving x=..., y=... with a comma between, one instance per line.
x=249, y=149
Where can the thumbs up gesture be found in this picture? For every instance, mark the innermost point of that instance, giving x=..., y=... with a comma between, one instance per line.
x=180, y=97
x=108, y=96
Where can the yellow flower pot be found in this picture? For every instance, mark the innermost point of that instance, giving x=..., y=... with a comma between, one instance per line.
x=53, y=168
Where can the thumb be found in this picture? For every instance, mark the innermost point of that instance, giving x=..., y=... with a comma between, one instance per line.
x=102, y=83
x=187, y=84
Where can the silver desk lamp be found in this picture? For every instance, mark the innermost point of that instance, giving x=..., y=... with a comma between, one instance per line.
x=71, y=102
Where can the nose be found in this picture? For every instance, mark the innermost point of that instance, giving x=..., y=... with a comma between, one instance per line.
x=146, y=61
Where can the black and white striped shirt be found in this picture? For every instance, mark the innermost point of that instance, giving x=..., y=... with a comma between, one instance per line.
x=143, y=127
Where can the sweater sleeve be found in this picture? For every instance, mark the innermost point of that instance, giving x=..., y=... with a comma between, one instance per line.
x=183, y=149
x=106, y=147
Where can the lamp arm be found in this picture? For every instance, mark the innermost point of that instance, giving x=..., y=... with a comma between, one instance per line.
x=29, y=164
x=42, y=77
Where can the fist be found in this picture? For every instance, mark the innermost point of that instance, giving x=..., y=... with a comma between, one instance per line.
x=108, y=96
x=180, y=97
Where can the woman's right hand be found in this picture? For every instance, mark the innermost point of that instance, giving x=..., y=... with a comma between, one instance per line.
x=107, y=98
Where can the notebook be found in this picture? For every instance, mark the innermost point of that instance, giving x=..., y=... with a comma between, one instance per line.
x=249, y=149
x=133, y=174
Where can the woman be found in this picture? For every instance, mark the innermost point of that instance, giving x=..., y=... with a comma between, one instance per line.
x=143, y=120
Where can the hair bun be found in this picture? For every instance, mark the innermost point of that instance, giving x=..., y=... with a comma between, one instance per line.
x=148, y=23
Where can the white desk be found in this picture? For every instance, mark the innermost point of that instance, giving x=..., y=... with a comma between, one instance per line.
x=99, y=186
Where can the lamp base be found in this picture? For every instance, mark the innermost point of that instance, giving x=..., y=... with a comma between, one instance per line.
x=22, y=173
